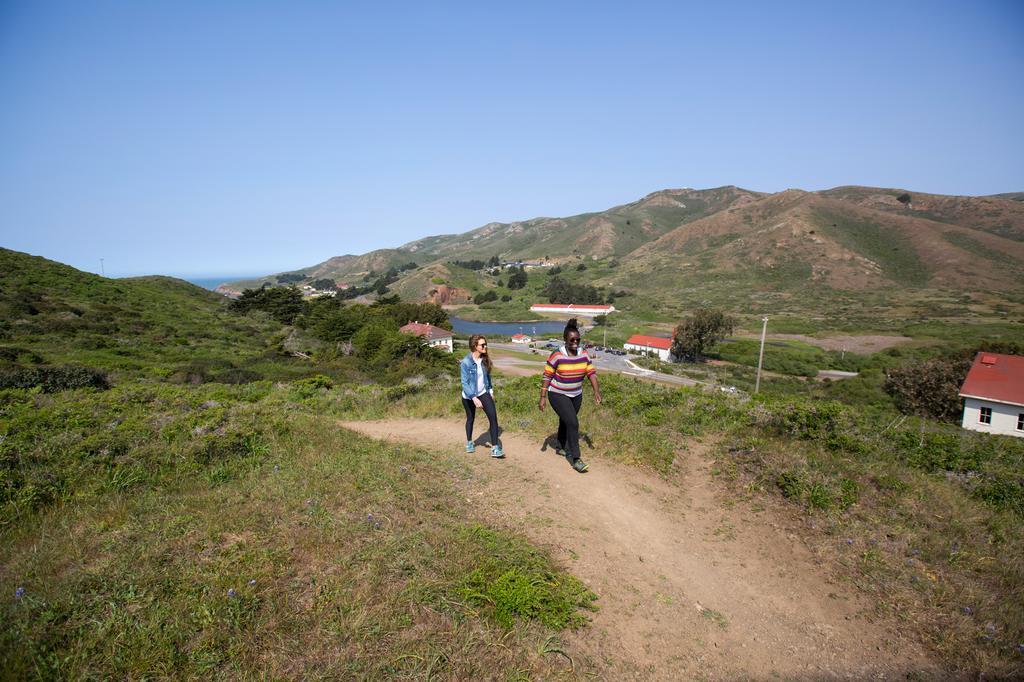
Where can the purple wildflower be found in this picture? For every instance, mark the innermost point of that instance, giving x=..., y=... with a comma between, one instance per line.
x=19, y=593
x=968, y=610
x=1020, y=649
x=232, y=594
x=377, y=525
x=849, y=541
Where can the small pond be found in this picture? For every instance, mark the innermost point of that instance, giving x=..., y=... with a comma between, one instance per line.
x=532, y=328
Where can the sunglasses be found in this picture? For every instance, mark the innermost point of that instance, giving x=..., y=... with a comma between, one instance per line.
x=482, y=343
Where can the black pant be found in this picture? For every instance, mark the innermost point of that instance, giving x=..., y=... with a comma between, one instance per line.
x=492, y=416
x=568, y=423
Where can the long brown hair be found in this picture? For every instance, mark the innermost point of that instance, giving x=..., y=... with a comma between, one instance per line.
x=485, y=358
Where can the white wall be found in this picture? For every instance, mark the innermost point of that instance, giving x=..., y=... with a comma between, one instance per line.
x=663, y=354
x=444, y=344
x=1004, y=417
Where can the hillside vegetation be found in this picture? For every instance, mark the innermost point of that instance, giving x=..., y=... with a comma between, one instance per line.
x=866, y=253
x=178, y=520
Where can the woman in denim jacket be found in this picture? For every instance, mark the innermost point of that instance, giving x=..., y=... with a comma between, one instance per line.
x=475, y=370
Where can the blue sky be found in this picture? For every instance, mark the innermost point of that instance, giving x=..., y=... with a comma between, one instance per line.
x=252, y=137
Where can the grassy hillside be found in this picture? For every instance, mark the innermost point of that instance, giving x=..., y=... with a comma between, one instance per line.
x=154, y=528
x=167, y=525
x=52, y=314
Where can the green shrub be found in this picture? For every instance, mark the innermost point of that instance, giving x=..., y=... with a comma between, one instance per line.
x=791, y=483
x=515, y=582
x=1002, y=494
x=53, y=379
x=237, y=375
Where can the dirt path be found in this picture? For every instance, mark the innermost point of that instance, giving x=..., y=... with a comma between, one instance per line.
x=690, y=588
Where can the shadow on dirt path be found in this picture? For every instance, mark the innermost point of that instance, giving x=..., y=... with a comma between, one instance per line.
x=689, y=587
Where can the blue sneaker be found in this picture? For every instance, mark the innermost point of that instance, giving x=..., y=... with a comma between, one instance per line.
x=497, y=452
x=470, y=446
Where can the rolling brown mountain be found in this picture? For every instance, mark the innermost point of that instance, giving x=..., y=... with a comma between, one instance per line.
x=857, y=242
x=728, y=239
x=614, y=232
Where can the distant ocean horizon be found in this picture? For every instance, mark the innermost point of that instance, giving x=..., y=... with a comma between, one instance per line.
x=211, y=282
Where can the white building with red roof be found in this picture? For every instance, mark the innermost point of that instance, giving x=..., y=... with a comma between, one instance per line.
x=435, y=336
x=521, y=338
x=572, y=309
x=993, y=394
x=650, y=345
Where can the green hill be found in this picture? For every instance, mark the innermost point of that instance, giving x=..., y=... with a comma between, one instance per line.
x=52, y=314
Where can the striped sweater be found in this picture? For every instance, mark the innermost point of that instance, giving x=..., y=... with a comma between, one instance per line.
x=564, y=373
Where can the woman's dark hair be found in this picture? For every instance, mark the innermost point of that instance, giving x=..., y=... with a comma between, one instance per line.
x=485, y=360
x=570, y=326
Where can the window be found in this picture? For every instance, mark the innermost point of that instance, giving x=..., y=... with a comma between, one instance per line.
x=985, y=416
x=1020, y=421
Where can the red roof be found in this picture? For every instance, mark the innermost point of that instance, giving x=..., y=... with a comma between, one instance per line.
x=650, y=341
x=995, y=377
x=574, y=306
x=424, y=329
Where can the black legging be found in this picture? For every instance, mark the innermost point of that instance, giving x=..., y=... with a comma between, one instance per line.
x=492, y=416
x=568, y=423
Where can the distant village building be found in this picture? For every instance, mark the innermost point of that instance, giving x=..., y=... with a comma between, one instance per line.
x=435, y=336
x=650, y=345
x=521, y=338
x=993, y=394
x=310, y=292
x=525, y=264
x=572, y=309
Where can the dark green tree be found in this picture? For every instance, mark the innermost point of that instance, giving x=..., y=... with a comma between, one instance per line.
x=284, y=304
x=697, y=333
x=517, y=279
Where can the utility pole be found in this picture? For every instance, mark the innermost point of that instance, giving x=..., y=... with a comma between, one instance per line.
x=760, y=356
x=102, y=269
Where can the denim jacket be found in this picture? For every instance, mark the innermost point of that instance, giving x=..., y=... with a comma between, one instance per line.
x=467, y=368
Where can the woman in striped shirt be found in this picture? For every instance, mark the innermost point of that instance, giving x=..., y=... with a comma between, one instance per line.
x=563, y=382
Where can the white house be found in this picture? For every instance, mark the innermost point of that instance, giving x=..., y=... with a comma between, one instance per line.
x=993, y=394
x=435, y=336
x=572, y=309
x=521, y=338
x=650, y=345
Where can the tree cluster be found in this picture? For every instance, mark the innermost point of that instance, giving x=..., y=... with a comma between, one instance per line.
x=290, y=278
x=699, y=332
x=284, y=304
x=323, y=283
x=379, y=285
x=485, y=297
x=517, y=278
x=560, y=290
x=477, y=264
